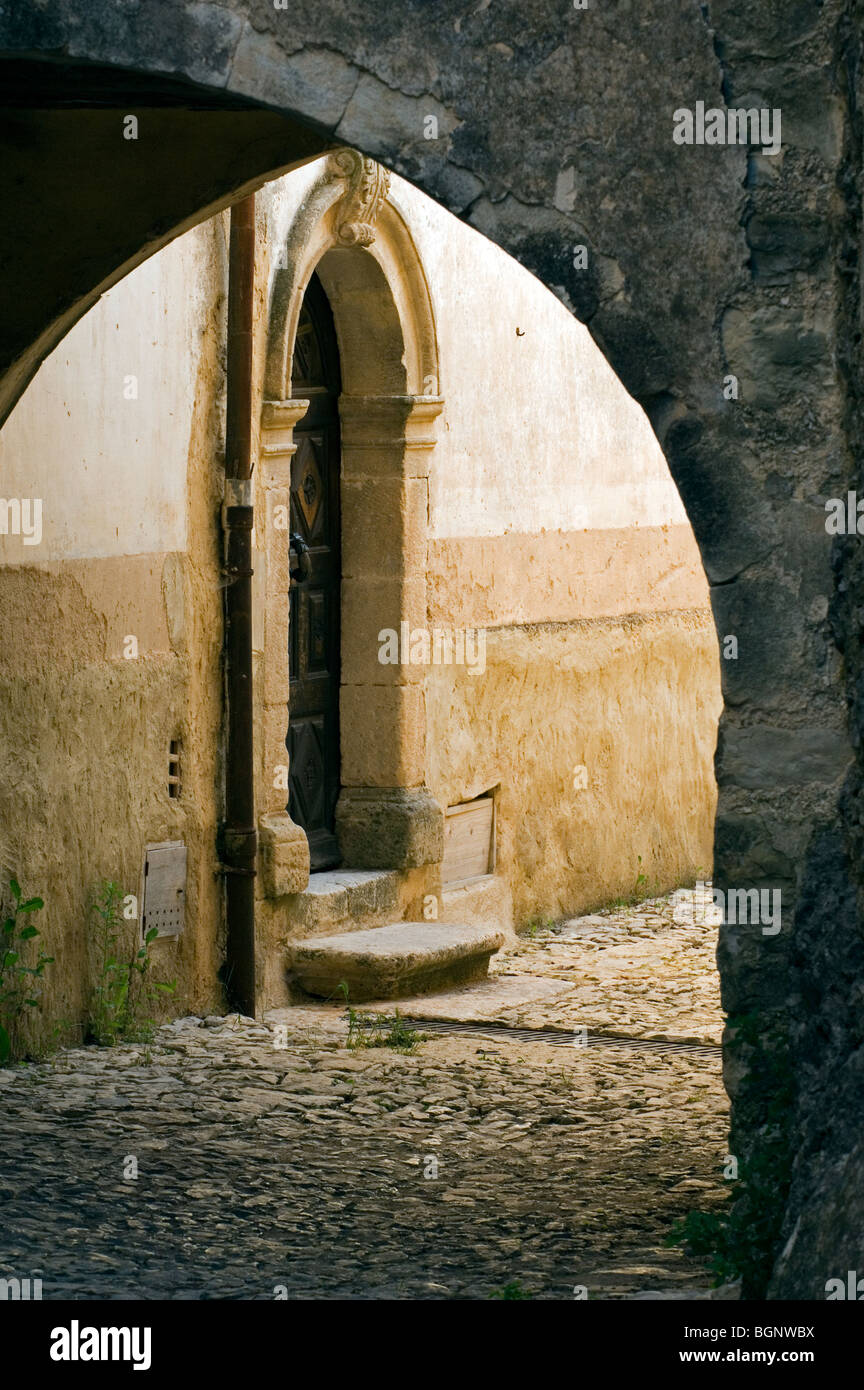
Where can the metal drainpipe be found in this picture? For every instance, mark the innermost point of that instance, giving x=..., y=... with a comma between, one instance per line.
x=239, y=850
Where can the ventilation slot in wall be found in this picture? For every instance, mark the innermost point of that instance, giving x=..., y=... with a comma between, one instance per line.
x=175, y=748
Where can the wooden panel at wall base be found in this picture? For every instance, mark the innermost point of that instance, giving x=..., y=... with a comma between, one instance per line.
x=164, y=888
x=468, y=841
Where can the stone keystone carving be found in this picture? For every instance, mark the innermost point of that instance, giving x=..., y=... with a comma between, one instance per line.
x=368, y=185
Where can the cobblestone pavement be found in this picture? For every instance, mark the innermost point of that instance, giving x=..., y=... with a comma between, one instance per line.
x=324, y=1172
x=632, y=970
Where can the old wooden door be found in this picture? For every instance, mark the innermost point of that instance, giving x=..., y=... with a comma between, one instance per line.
x=313, y=725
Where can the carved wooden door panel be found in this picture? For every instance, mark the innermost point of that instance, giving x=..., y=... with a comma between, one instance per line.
x=313, y=726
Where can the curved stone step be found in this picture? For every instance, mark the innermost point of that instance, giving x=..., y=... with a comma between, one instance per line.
x=400, y=959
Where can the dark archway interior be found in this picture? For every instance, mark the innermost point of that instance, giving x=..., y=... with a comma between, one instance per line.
x=702, y=262
x=195, y=152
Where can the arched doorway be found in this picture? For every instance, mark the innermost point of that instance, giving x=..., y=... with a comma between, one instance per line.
x=350, y=402
x=315, y=595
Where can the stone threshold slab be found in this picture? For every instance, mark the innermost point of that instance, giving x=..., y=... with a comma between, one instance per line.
x=396, y=961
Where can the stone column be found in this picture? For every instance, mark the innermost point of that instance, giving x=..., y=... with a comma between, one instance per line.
x=385, y=818
x=284, y=849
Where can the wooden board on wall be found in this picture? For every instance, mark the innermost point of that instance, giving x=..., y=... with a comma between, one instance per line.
x=468, y=841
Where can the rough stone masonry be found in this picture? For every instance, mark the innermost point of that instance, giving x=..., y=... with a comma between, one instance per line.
x=552, y=132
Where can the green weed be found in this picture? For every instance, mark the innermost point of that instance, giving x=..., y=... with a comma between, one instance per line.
x=19, y=980
x=123, y=990
x=512, y=1290
x=378, y=1030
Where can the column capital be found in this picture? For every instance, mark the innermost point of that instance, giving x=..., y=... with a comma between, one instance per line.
x=278, y=419
x=372, y=421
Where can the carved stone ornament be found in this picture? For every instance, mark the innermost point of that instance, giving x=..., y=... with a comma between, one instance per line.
x=358, y=208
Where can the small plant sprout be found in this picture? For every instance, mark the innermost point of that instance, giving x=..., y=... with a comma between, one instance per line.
x=378, y=1030
x=19, y=973
x=122, y=988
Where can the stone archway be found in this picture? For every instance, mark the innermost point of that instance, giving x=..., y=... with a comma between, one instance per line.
x=700, y=264
x=351, y=234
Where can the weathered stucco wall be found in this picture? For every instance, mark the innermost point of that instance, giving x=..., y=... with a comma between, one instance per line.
x=550, y=503
x=631, y=701
x=130, y=547
x=548, y=500
x=551, y=521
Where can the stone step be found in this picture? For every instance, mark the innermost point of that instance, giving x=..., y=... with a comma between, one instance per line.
x=390, y=962
x=486, y=900
x=337, y=899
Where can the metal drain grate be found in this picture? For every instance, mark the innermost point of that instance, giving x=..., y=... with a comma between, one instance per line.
x=502, y=1032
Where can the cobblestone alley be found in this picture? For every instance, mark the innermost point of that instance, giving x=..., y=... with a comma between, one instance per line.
x=275, y=1160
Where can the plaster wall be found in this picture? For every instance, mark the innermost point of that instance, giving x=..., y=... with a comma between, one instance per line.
x=538, y=439
x=595, y=738
x=554, y=525
x=551, y=521
x=130, y=549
